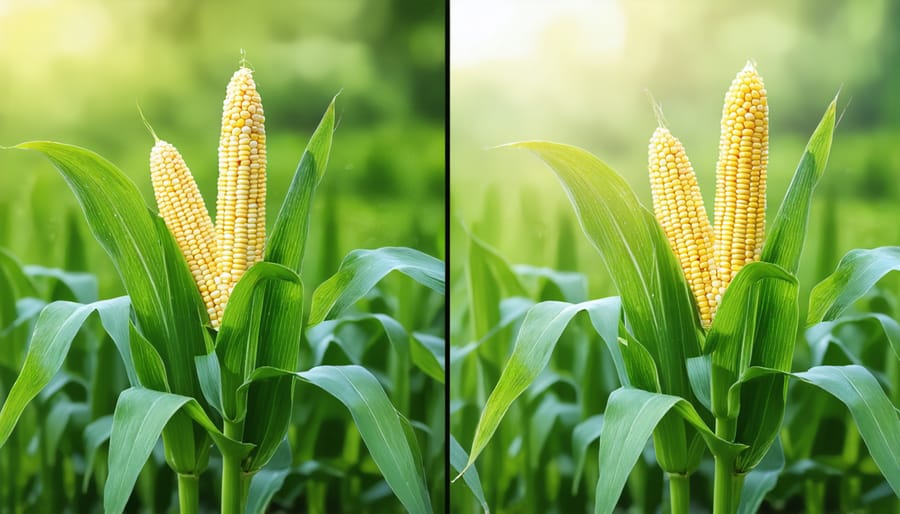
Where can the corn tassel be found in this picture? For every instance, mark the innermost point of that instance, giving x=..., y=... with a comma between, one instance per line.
x=740, y=206
x=678, y=206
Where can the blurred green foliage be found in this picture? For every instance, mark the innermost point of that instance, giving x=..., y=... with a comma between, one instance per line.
x=74, y=71
x=579, y=73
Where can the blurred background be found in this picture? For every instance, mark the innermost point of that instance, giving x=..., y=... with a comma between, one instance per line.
x=579, y=72
x=75, y=70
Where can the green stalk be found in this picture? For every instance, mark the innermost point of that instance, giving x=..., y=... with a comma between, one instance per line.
x=233, y=478
x=727, y=485
x=680, y=493
x=188, y=494
x=814, y=496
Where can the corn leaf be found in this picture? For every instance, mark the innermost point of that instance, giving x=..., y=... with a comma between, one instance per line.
x=378, y=422
x=762, y=400
x=859, y=391
x=857, y=272
x=238, y=340
x=266, y=425
x=631, y=417
x=130, y=235
x=95, y=434
x=362, y=269
x=138, y=421
x=541, y=329
x=584, y=434
x=82, y=286
x=761, y=480
x=287, y=243
x=731, y=335
x=54, y=331
x=458, y=459
x=657, y=303
x=269, y=480
x=887, y=325
x=656, y=300
x=405, y=344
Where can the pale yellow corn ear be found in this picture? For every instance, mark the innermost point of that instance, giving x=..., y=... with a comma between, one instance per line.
x=678, y=206
x=181, y=207
x=241, y=202
x=740, y=206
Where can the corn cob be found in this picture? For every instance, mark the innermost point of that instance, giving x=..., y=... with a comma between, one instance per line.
x=740, y=206
x=678, y=206
x=181, y=206
x=240, y=205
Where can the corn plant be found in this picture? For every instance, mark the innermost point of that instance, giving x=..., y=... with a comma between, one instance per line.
x=210, y=332
x=703, y=333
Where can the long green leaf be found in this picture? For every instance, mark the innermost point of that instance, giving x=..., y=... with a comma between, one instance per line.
x=362, y=269
x=282, y=306
x=238, y=340
x=95, y=434
x=537, y=337
x=875, y=417
x=761, y=480
x=631, y=417
x=378, y=422
x=584, y=434
x=54, y=331
x=762, y=401
x=321, y=335
x=139, y=419
x=459, y=459
x=857, y=272
x=656, y=300
x=859, y=391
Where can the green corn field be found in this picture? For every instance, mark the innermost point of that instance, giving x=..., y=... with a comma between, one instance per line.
x=456, y=256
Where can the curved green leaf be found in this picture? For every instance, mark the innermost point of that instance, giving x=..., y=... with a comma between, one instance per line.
x=238, y=339
x=83, y=286
x=732, y=333
x=459, y=459
x=857, y=272
x=889, y=327
x=656, y=300
x=362, y=269
x=541, y=329
x=631, y=417
x=875, y=417
x=287, y=243
x=584, y=434
x=95, y=434
x=54, y=331
x=321, y=335
x=282, y=305
x=761, y=480
x=378, y=422
x=138, y=421
x=870, y=407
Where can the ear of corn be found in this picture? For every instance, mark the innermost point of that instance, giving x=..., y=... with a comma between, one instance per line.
x=181, y=206
x=241, y=206
x=219, y=255
x=740, y=208
x=678, y=206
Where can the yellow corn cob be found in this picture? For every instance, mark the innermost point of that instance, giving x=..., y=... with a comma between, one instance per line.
x=181, y=206
x=740, y=208
x=241, y=205
x=678, y=206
